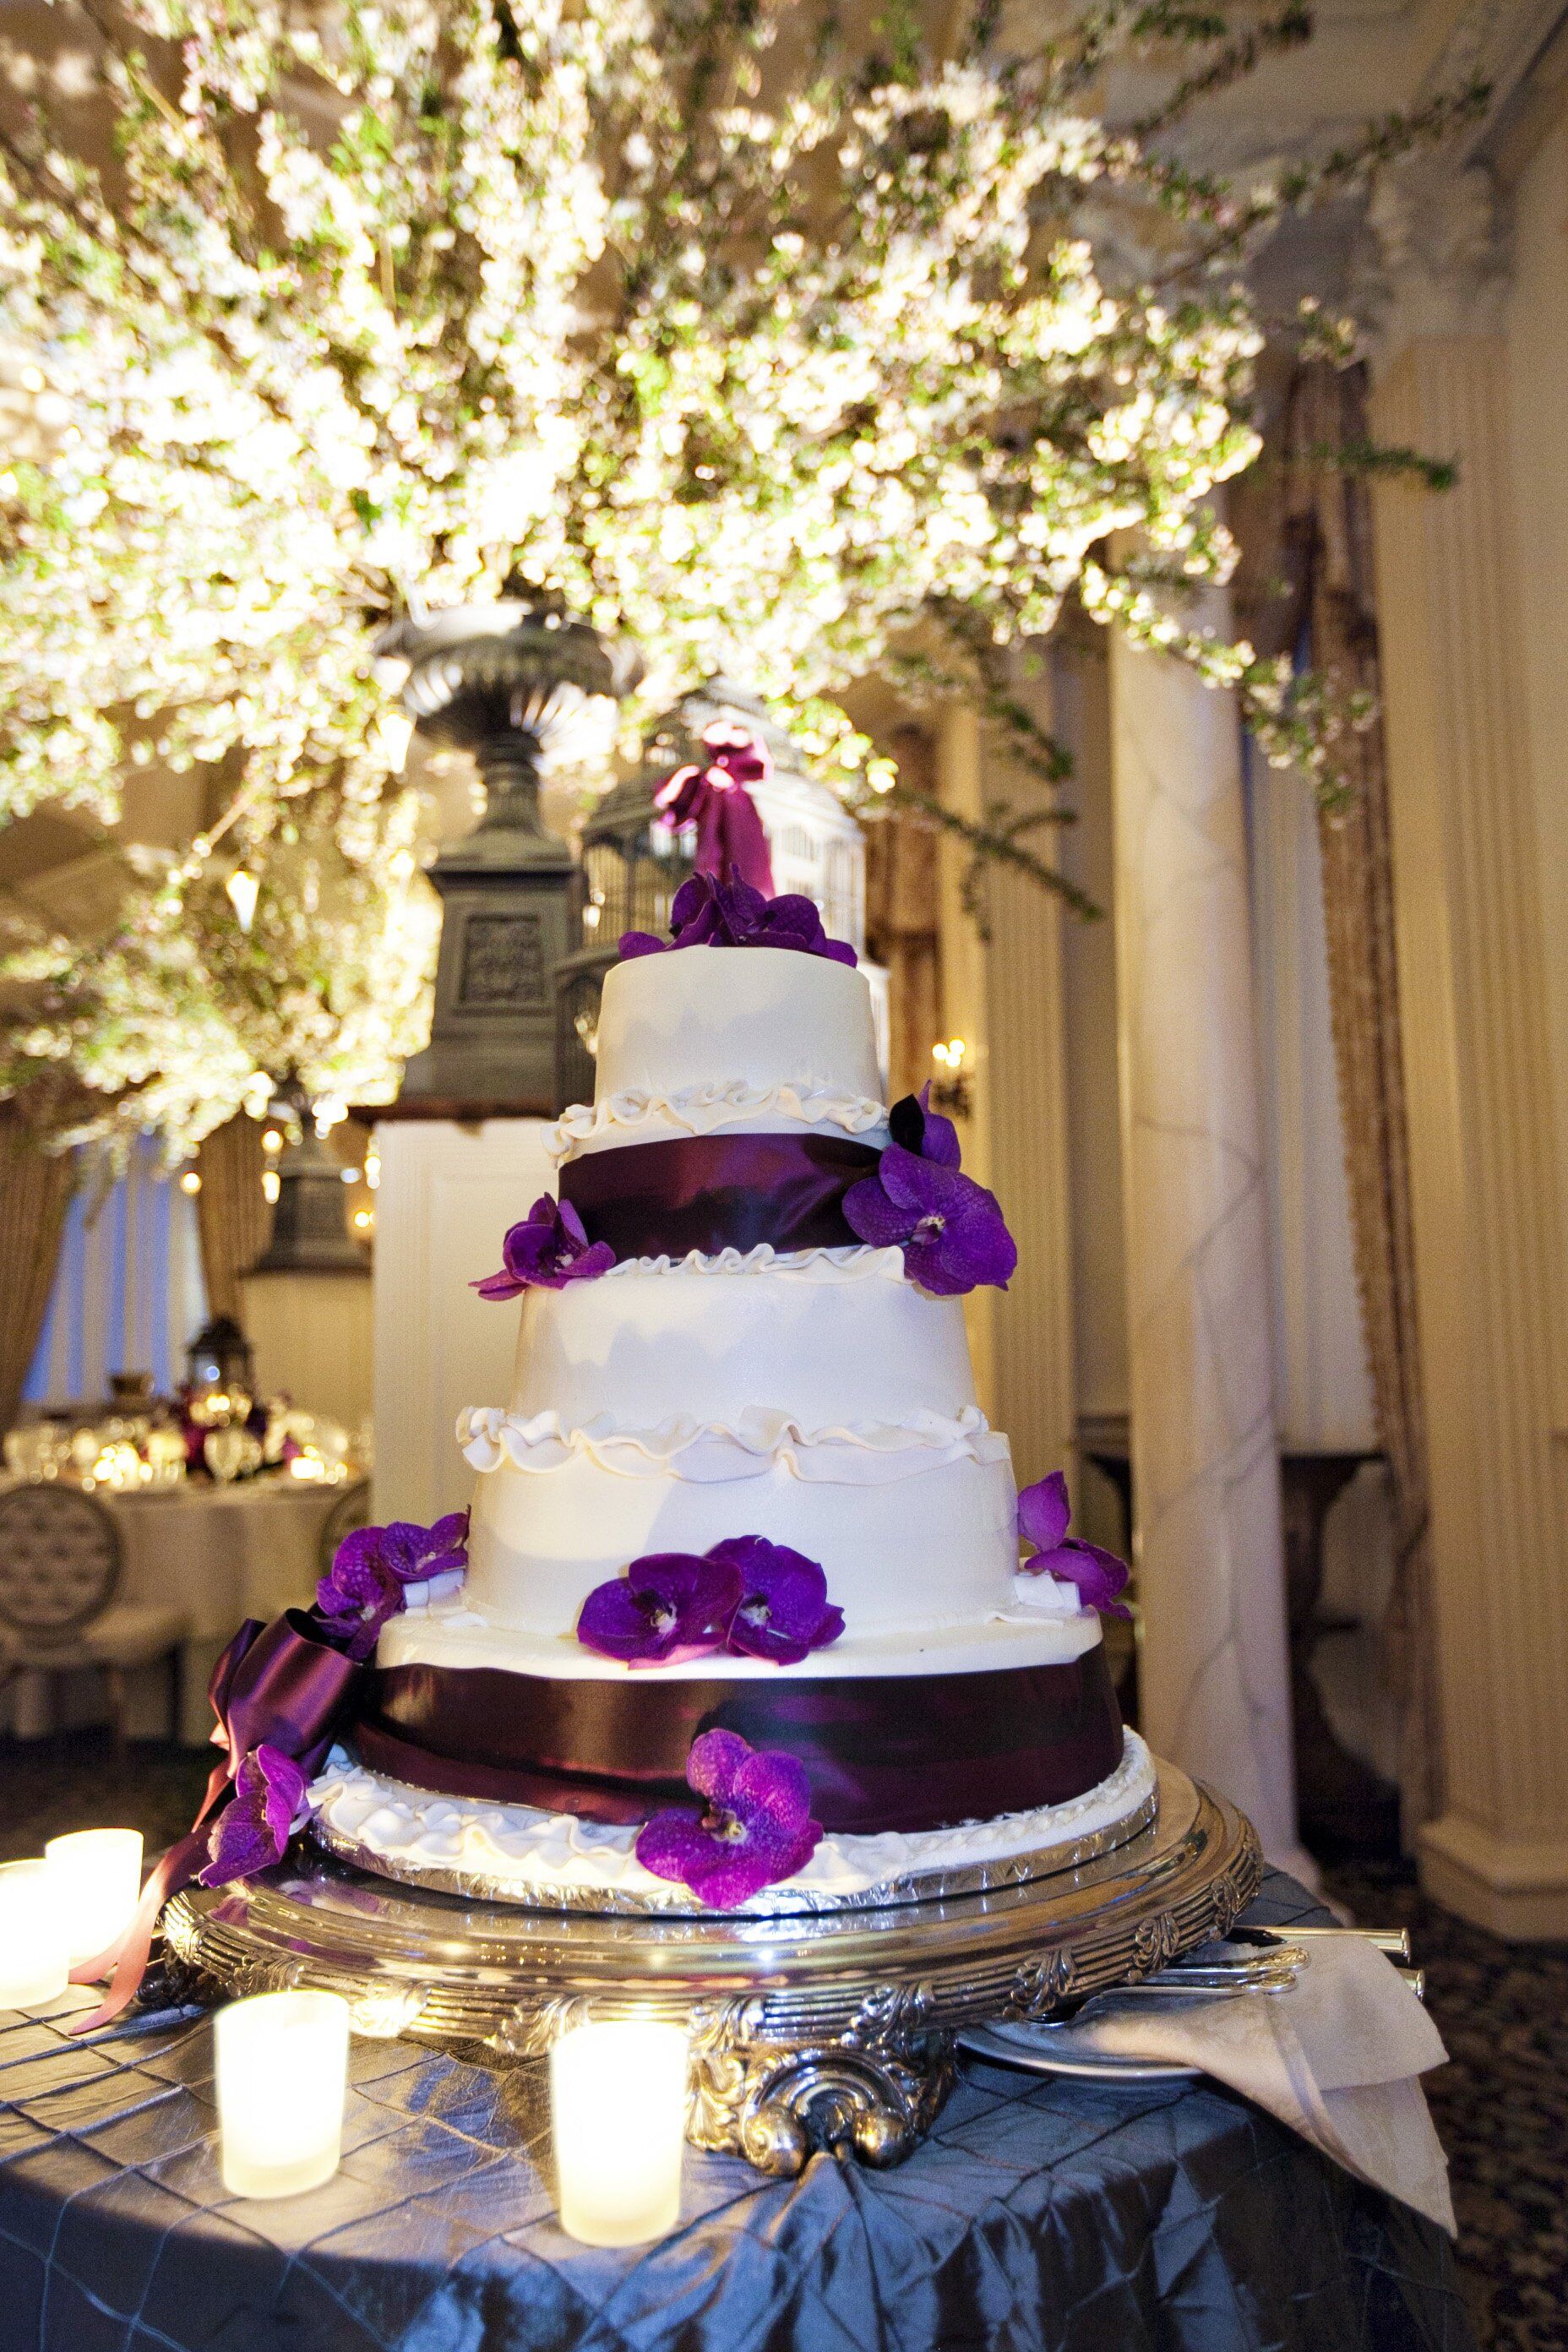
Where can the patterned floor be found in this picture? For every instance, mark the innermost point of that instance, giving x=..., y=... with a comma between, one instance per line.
x=1501, y=2106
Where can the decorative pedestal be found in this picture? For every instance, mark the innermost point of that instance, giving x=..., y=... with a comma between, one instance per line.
x=447, y=1193
x=510, y=683
x=830, y=2030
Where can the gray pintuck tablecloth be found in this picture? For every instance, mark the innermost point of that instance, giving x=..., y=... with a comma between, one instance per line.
x=1040, y=2214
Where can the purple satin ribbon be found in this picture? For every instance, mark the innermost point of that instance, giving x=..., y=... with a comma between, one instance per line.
x=277, y=1684
x=711, y=1193
x=889, y=1752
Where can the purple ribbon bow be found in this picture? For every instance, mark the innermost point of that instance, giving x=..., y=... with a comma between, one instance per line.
x=730, y=840
x=277, y=1686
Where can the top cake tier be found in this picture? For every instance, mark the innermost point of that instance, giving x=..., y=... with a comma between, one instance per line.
x=703, y=1017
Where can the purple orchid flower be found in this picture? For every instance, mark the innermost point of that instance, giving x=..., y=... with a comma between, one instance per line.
x=669, y=1606
x=270, y=1799
x=784, y=1612
x=372, y=1568
x=547, y=1251
x=1044, y=1512
x=708, y=912
x=950, y=1228
x=757, y=1830
x=912, y=1123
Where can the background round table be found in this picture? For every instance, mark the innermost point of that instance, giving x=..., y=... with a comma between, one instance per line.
x=1040, y=2213
x=220, y=1554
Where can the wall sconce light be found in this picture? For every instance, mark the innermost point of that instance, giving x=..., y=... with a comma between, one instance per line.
x=950, y=1090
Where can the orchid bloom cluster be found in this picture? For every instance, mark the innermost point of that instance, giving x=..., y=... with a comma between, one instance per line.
x=377, y=1571
x=755, y=1830
x=709, y=912
x=746, y=1596
x=271, y=1801
x=951, y=1229
x=1044, y=1517
x=545, y=1252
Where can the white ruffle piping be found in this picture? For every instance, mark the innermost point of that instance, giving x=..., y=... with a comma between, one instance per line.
x=698, y=1111
x=705, y=1452
x=407, y=1825
x=851, y=1264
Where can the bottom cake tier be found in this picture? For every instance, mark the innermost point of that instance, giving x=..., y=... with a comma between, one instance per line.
x=554, y=1861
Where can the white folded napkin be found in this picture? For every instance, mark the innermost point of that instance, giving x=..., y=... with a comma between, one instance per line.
x=1336, y=2057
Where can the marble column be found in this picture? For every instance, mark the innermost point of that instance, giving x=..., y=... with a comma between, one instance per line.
x=1473, y=715
x=1214, y=1669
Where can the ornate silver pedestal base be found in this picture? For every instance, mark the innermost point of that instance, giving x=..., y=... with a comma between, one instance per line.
x=833, y=2031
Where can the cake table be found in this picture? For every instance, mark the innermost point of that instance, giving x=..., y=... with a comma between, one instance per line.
x=1039, y=2217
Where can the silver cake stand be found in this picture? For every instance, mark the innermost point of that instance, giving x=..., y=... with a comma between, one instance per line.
x=831, y=2029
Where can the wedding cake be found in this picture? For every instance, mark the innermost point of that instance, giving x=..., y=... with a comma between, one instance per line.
x=744, y=1619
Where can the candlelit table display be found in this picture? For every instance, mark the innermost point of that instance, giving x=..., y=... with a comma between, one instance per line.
x=756, y=1698
x=1040, y=2213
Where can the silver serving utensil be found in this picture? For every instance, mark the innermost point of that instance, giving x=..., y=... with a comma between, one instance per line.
x=1170, y=1994
x=1395, y=1941
x=1185, y=1976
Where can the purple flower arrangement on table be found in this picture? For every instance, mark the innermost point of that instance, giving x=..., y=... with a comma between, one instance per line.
x=708, y=912
x=950, y=1228
x=1044, y=1515
x=545, y=1252
x=277, y=1692
x=746, y=1596
x=756, y=1830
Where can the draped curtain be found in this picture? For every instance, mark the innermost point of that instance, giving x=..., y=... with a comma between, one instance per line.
x=232, y=1214
x=902, y=922
x=1326, y=536
x=35, y=1190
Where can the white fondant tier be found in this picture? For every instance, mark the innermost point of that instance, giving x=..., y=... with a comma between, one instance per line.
x=835, y=1336
x=823, y=1401
x=518, y=1850
x=697, y=1019
x=912, y=1524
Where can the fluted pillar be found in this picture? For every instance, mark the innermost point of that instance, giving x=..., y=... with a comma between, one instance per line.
x=1473, y=762
x=1214, y=1675
x=1002, y=991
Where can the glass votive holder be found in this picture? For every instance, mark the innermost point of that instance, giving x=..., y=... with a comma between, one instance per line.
x=282, y=2071
x=617, y=2103
x=35, y=1962
x=97, y=1877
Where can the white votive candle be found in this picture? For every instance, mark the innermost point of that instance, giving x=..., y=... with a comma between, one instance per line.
x=35, y=1962
x=97, y=1877
x=617, y=2094
x=282, y=2066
